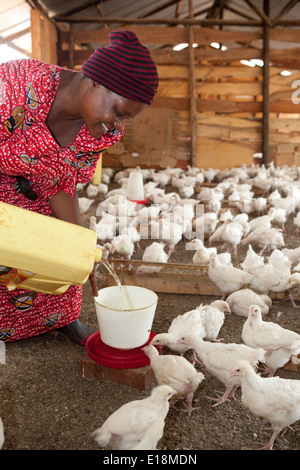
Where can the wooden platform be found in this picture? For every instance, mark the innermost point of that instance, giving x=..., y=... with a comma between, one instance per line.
x=140, y=378
x=174, y=278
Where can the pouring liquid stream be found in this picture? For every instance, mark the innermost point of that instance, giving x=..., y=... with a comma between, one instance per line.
x=125, y=296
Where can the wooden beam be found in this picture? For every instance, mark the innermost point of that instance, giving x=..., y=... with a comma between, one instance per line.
x=71, y=47
x=14, y=36
x=83, y=6
x=152, y=21
x=192, y=84
x=266, y=88
x=167, y=35
x=224, y=106
x=259, y=12
x=284, y=10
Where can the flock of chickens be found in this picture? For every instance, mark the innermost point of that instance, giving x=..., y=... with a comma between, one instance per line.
x=234, y=216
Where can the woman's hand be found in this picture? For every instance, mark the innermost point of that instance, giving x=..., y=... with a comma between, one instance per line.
x=93, y=281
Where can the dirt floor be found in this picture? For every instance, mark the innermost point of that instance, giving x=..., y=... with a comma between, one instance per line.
x=46, y=405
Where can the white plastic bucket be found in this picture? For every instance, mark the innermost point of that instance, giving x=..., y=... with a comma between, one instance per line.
x=121, y=328
x=135, y=186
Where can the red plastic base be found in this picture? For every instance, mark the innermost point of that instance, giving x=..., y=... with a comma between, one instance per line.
x=144, y=202
x=117, y=358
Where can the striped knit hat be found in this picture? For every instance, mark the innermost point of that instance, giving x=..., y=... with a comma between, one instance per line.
x=124, y=67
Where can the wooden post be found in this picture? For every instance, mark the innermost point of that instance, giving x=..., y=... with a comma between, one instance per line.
x=43, y=38
x=266, y=88
x=193, y=107
x=71, y=47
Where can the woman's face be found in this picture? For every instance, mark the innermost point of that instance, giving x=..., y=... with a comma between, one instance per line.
x=103, y=110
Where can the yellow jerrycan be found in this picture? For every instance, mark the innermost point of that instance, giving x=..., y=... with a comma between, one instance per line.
x=44, y=254
x=98, y=172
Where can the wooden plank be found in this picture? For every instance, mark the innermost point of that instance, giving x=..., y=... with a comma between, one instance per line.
x=286, y=34
x=217, y=72
x=167, y=35
x=167, y=283
x=283, y=124
x=44, y=38
x=228, y=121
x=213, y=153
x=225, y=107
x=228, y=133
x=181, y=88
x=173, y=279
x=279, y=58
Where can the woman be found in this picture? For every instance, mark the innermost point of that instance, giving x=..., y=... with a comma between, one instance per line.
x=54, y=123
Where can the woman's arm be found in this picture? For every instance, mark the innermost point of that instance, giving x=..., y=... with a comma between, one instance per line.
x=65, y=207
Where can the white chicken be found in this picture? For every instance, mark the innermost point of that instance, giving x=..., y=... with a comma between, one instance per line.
x=230, y=233
x=263, y=222
x=274, y=276
x=154, y=253
x=265, y=239
x=280, y=343
x=241, y=300
x=2, y=436
x=218, y=358
x=91, y=190
x=260, y=204
x=102, y=189
x=252, y=261
x=287, y=203
x=127, y=426
x=105, y=232
x=273, y=398
x=279, y=216
x=152, y=435
x=133, y=234
x=213, y=317
x=293, y=254
x=123, y=246
x=167, y=232
x=177, y=372
x=205, y=224
x=227, y=277
x=273, y=196
x=84, y=204
x=202, y=254
x=296, y=222
x=186, y=324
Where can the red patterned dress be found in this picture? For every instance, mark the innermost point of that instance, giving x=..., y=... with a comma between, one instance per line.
x=33, y=167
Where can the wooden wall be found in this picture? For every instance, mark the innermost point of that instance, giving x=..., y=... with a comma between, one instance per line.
x=43, y=38
x=227, y=97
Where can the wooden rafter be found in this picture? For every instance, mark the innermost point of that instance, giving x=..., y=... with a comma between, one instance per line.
x=152, y=11
x=83, y=6
x=285, y=9
x=242, y=14
x=259, y=12
x=266, y=88
x=153, y=21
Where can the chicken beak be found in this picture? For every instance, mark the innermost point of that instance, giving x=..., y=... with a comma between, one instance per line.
x=231, y=373
x=251, y=310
